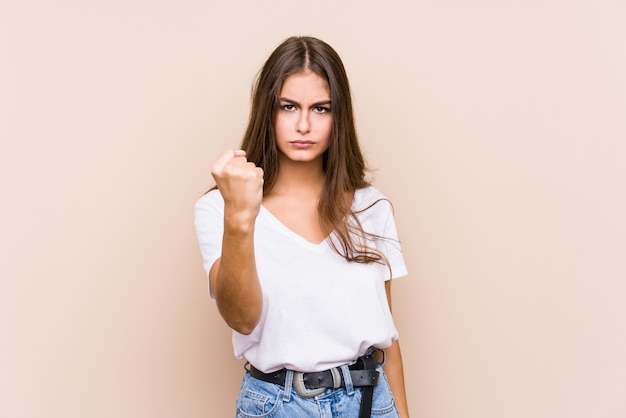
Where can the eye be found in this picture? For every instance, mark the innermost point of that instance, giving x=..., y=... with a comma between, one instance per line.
x=321, y=109
x=288, y=107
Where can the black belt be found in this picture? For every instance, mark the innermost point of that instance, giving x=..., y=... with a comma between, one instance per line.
x=362, y=373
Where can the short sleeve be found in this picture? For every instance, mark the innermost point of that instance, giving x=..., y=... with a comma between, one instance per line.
x=389, y=245
x=209, y=223
x=375, y=213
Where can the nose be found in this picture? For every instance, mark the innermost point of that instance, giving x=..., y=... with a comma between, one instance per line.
x=303, y=125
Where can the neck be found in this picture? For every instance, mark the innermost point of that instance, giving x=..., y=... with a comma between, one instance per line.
x=299, y=177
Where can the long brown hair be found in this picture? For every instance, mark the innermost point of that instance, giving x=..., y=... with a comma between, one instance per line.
x=343, y=162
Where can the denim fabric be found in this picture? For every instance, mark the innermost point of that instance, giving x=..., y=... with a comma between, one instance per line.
x=262, y=399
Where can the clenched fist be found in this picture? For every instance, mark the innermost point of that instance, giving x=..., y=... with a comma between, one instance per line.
x=241, y=185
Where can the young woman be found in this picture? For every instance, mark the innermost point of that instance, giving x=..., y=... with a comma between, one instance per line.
x=300, y=249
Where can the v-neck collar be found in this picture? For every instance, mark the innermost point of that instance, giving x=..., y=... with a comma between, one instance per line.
x=295, y=236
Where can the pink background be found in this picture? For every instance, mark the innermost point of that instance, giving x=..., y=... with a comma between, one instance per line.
x=497, y=128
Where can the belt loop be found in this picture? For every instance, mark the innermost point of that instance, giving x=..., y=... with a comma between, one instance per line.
x=382, y=362
x=347, y=378
x=288, y=385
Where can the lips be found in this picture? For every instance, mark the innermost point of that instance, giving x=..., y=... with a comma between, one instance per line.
x=301, y=144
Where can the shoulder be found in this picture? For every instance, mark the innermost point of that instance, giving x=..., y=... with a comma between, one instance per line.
x=371, y=205
x=369, y=196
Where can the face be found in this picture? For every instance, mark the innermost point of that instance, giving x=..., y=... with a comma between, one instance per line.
x=304, y=119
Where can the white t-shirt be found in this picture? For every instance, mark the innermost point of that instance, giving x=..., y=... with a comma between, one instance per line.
x=319, y=310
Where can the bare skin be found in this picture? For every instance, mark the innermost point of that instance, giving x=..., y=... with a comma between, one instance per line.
x=294, y=200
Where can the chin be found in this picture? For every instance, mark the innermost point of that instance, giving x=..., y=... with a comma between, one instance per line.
x=299, y=158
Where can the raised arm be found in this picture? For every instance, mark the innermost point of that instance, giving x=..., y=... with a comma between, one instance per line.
x=233, y=276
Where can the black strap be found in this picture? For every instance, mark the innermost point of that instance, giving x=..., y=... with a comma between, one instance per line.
x=369, y=363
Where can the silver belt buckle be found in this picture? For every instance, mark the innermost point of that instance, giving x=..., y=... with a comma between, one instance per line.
x=302, y=391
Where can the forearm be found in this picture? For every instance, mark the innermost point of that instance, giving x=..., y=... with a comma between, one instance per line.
x=233, y=276
x=395, y=374
x=235, y=281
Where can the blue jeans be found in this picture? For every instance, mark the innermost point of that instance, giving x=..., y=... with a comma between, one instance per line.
x=262, y=399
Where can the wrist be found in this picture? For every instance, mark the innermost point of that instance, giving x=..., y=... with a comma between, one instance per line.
x=239, y=223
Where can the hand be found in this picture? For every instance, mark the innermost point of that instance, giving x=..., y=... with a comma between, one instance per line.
x=240, y=183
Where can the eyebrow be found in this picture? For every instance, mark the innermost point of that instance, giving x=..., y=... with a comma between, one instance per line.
x=293, y=102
